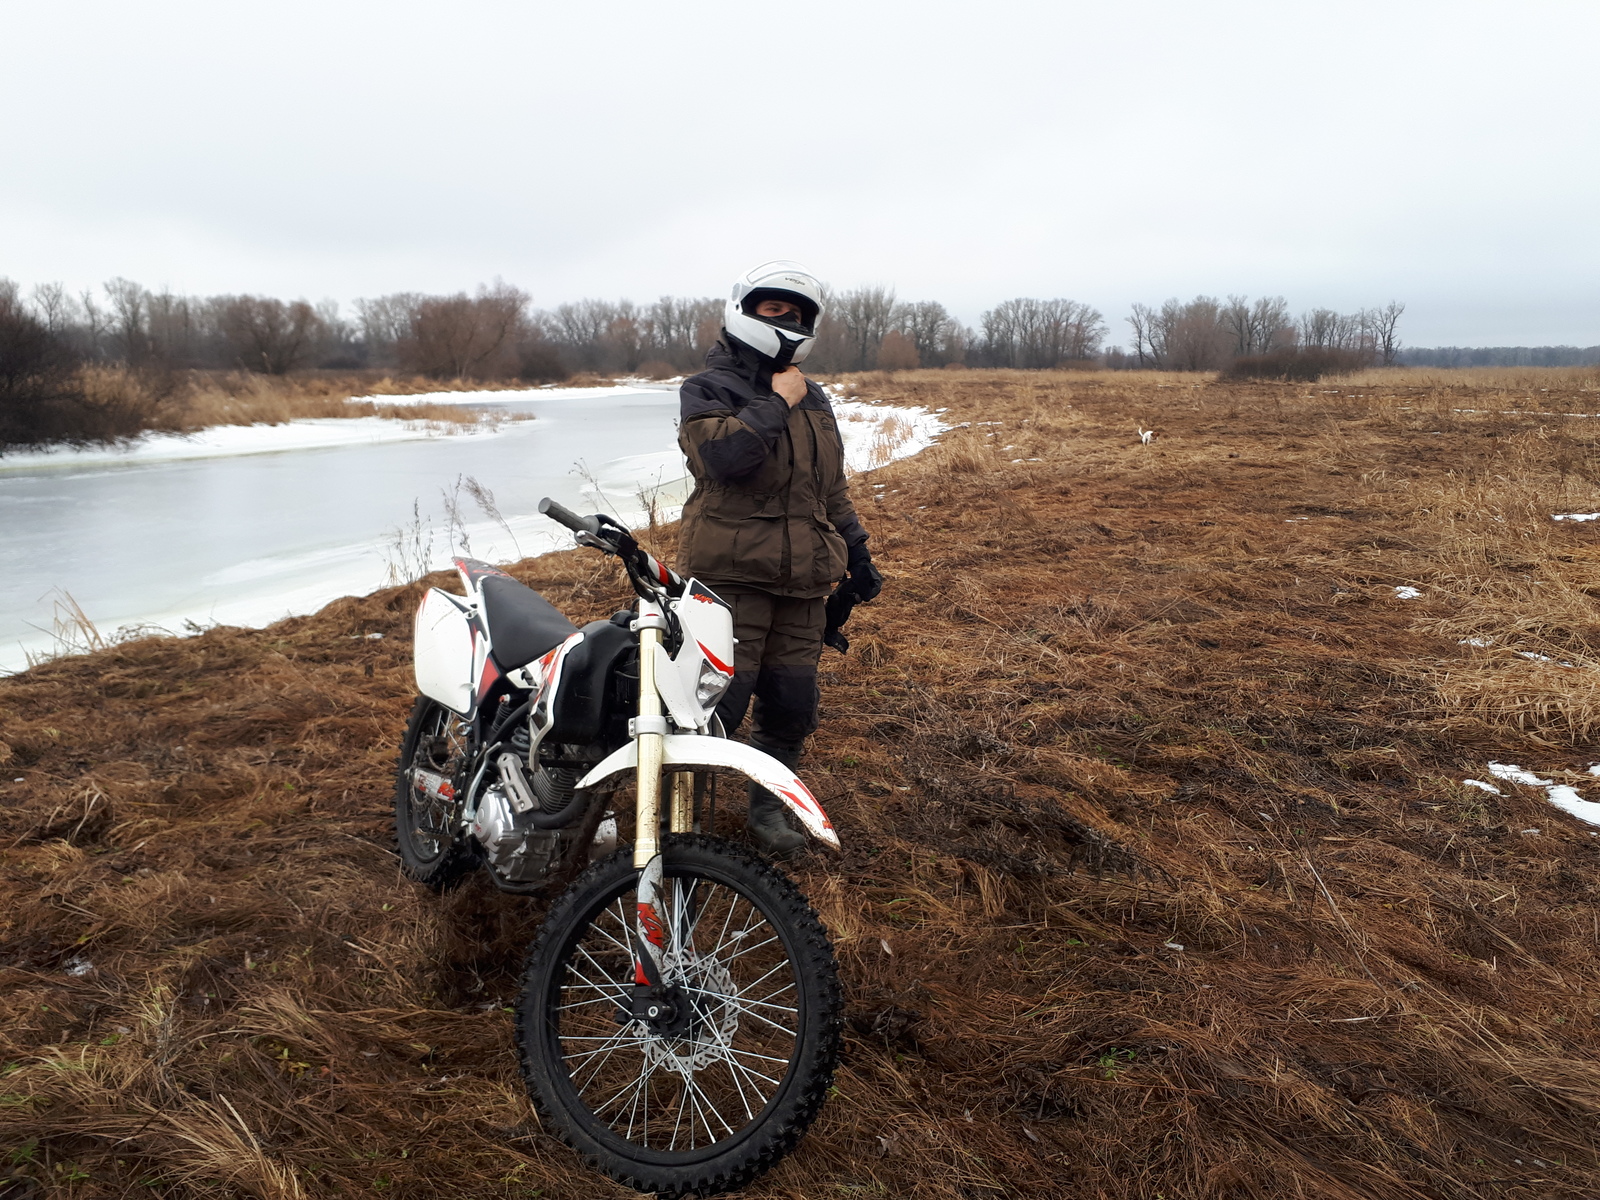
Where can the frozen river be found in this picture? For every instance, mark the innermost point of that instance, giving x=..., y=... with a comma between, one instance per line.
x=244, y=525
x=228, y=527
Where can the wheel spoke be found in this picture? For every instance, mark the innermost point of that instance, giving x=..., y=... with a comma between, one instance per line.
x=735, y=999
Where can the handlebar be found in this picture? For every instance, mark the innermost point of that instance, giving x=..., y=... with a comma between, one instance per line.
x=650, y=576
x=565, y=516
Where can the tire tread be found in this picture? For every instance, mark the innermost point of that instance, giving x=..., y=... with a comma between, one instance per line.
x=814, y=955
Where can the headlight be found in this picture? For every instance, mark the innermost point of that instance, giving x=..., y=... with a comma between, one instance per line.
x=711, y=686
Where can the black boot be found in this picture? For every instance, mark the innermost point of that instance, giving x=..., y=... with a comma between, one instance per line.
x=768, y=825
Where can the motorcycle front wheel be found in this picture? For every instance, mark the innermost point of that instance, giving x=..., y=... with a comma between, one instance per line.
x=726, y=1081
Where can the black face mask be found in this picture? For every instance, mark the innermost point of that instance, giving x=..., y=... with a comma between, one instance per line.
x=789, y=321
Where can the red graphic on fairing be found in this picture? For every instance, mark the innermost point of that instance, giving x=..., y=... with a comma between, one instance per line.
x=490, y=674
x=713, y=659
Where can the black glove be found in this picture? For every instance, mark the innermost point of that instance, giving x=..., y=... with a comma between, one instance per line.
x=838, y=612
x=865, y=580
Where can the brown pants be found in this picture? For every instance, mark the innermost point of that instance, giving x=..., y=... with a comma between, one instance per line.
x=775, y=662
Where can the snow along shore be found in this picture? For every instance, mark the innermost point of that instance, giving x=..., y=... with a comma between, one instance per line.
x=226, y=441
x=256, y=591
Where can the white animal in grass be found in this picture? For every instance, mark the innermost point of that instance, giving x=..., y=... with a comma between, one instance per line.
x=1145, y=435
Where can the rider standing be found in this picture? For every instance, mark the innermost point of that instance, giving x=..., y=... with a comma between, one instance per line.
x=770, y=525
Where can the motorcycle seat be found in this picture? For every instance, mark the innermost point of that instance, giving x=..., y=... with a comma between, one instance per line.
x=523, y=625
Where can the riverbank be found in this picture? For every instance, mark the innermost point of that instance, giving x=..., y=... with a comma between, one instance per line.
x=1199, y=796
x=244, y=525
x=116, y=407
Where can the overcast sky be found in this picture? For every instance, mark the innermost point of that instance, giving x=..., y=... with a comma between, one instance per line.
x=1342, y=154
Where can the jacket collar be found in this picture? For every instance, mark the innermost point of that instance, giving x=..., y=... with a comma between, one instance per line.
x=730, y=354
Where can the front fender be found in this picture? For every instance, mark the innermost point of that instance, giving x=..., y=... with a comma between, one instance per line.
x=699, y=750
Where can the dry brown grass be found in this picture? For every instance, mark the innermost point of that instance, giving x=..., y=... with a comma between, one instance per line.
x=183, y=402
x=1509, y=379
x=1122, y=700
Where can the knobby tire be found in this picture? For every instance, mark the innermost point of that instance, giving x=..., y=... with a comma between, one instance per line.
x=748, y=1066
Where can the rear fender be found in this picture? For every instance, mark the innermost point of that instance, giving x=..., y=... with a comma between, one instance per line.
x=698, y=750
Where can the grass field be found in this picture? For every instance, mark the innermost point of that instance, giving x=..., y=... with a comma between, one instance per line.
x=1160, y=878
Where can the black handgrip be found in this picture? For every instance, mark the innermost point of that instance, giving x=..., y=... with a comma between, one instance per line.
x=563, y=514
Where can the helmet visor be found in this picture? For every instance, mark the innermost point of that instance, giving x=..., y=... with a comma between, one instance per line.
x=804, y=322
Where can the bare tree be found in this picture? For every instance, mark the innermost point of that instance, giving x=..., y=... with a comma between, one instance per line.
x=53, y=303
x=268, y=335
x=128, y=325
x=96, y=324
x=933, y=332
x=1271, y=325
x=1149, y=338
x=384, y=322
x=1235, y=317
x=1386, y=323
x=1256, y=328
x=1196, y=336
x=1327, y=329
x=675, y=324
x=1040, y=333
x=865, y=315
x=466, y=337
x=177, y=328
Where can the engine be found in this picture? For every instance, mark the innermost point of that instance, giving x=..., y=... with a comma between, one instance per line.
x=516, y=850
x=519, y=845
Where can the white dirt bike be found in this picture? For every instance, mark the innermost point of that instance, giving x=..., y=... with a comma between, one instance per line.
x=679, y=1021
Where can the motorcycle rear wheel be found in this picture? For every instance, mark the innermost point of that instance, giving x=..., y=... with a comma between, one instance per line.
x=427, y=829
x=709, y=1098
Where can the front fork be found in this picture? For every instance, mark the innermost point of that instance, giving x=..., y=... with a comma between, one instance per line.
x=650, y=729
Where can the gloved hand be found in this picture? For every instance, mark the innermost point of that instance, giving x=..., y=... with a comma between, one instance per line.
x=837, y=611
x=865, y=580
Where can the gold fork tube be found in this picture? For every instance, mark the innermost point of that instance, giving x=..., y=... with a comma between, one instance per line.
x=647, y=819
x=683, y=802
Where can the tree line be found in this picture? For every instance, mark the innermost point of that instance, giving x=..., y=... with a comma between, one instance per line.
x=1501, y=356
x=1208, y=334
x=496, y=332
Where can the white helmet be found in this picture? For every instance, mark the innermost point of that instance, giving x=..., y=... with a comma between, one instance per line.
x=785, y=340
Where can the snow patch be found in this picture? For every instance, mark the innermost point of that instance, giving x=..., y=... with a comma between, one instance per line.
x=875, y=435
x=1407, y=593
x=1576, y=517
x=1512, y=773
x=1567, y=799
x=1563, y=796
x=1488, y=787
x=224, y=441
x=518, y=395
x=1531, y=655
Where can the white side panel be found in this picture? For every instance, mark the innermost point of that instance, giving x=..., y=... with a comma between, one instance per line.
x=441, y=651
x=691, y=750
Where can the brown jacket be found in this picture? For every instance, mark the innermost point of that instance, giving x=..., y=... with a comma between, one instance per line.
x=771, y=508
